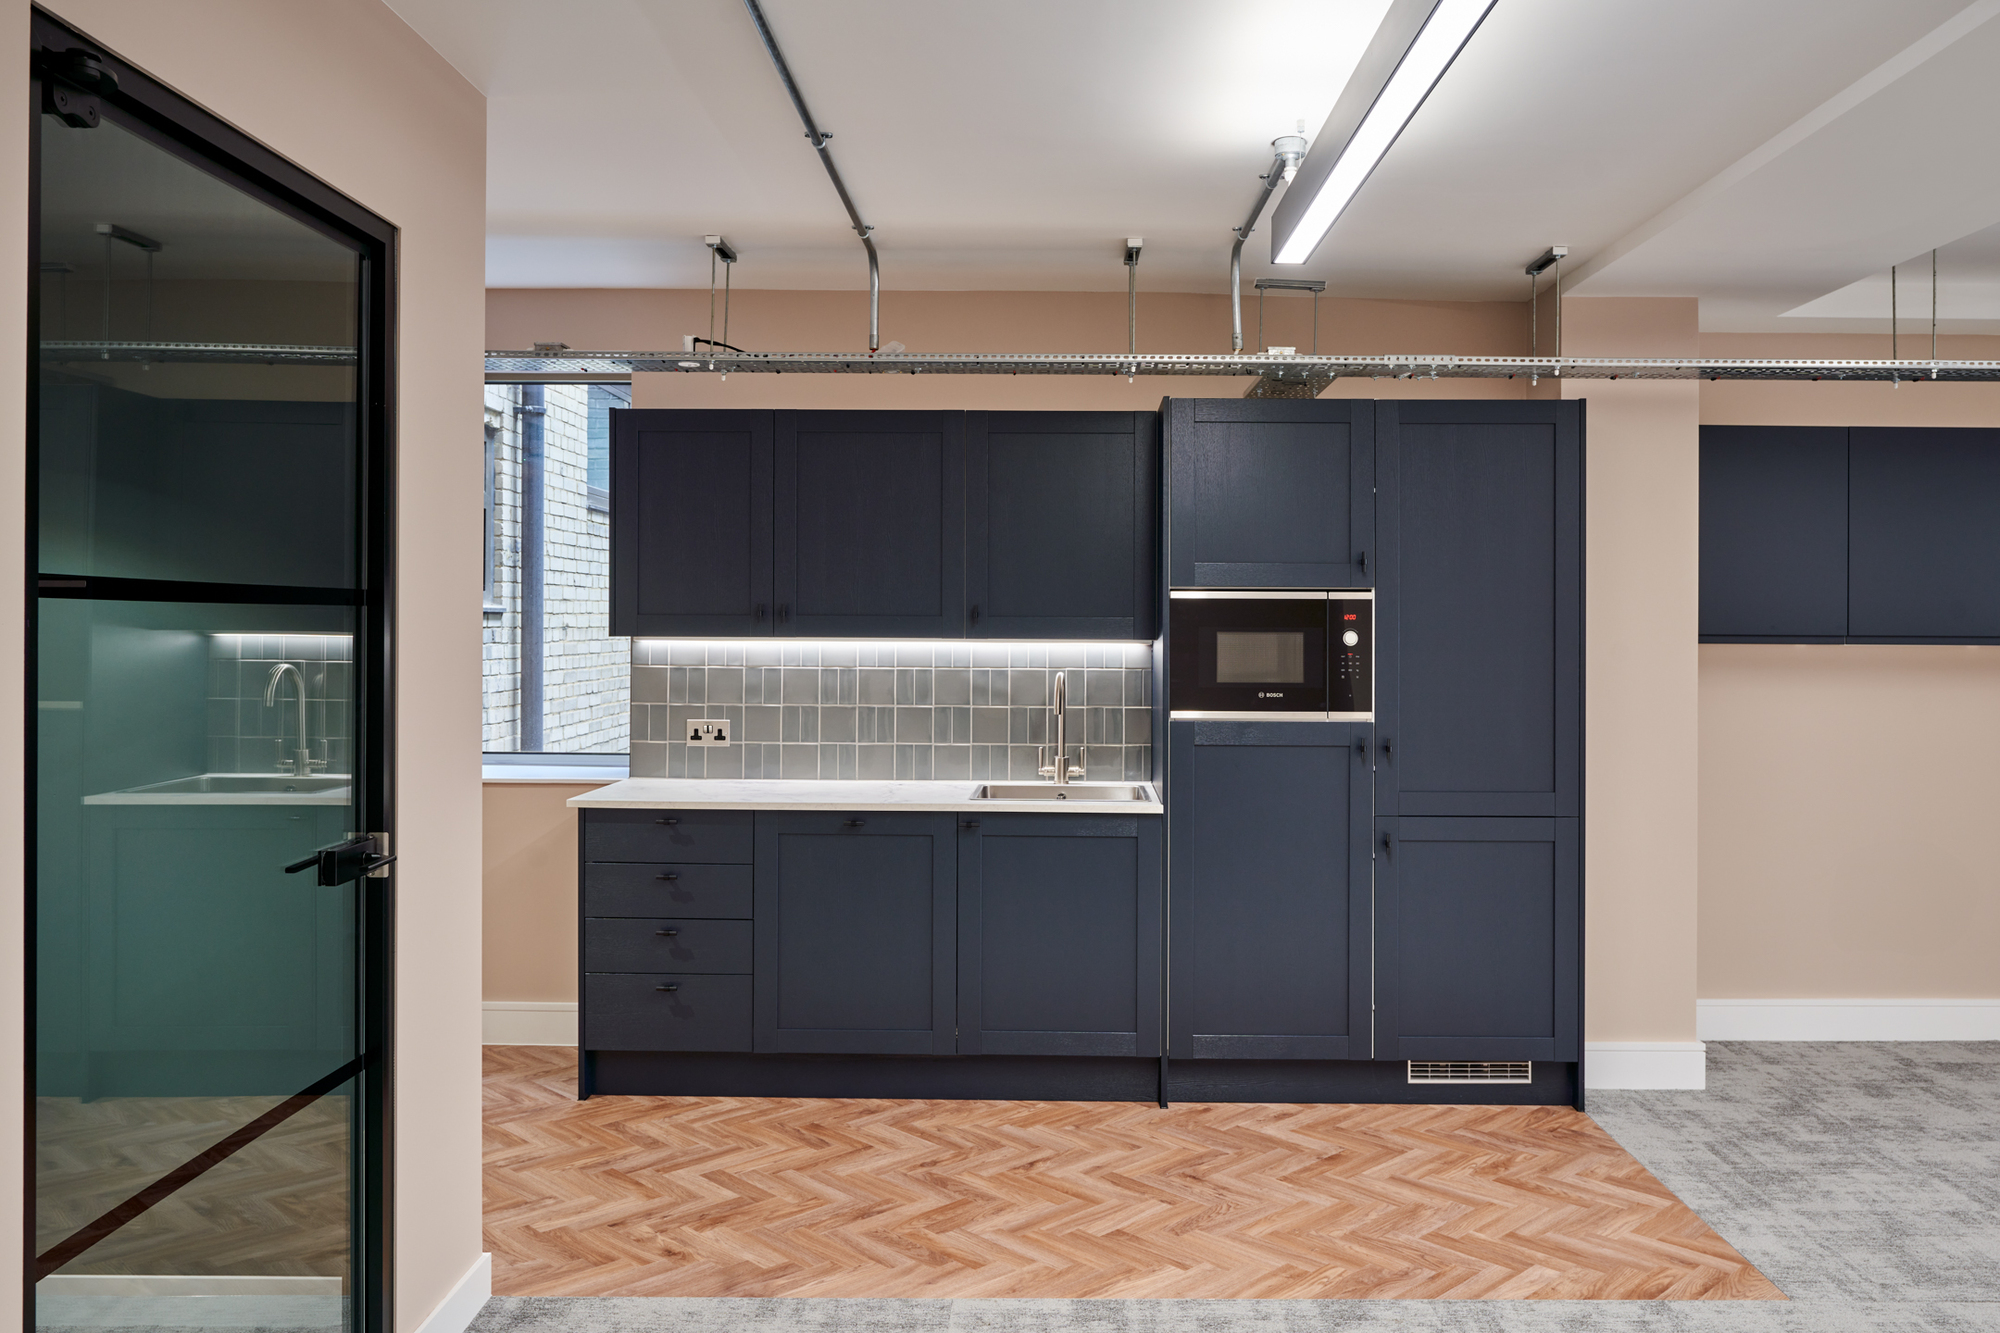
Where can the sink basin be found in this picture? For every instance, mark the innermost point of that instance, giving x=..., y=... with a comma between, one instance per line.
x=1049, y=791
x=243, y=783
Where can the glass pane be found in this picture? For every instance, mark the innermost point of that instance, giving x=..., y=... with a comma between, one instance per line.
x=188, y=989
x=197, y=374
x=550, y=603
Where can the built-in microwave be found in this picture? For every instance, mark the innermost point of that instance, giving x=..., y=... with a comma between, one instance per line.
x=1277, y=656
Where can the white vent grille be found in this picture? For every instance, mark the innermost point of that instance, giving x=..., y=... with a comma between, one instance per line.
x=1472, y=1071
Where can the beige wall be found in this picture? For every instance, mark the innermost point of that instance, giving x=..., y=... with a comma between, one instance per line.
x=530, y=892
x=346, y=90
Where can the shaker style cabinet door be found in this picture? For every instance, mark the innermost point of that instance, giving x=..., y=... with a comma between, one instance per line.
x=1059, y=935
x=1270, y=494
x=1923, y=535
x=691, y=522
x=1773, y=534
x=856, y=933
x=1269, y=891
x=1477, y=939
x=1062, y=524
x=1479, y=613
x=870, y=524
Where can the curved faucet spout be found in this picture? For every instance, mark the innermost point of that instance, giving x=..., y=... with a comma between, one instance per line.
x=301, y=763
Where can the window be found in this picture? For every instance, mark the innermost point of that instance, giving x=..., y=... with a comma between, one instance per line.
x=555, y=681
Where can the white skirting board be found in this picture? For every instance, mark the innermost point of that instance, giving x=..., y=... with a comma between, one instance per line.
x=1847, y=1020
x=461, y=1305
x=1623, y=1065
x=529, y=1023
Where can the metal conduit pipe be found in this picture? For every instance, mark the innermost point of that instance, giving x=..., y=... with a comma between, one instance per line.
x=818, y=139
x=1287, y=150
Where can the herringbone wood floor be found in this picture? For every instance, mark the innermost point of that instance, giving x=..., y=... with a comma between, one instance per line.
x=741, y=1196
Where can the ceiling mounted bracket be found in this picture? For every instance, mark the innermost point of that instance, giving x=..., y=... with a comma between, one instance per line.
x=1133, y=245
x=1550, y=258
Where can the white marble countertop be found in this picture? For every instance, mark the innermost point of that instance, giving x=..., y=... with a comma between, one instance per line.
x=793, y=794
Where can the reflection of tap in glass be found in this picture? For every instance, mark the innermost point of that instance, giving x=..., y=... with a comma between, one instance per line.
x=301, y=763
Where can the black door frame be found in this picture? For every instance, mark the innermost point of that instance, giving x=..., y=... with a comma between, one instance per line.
x=148, y=108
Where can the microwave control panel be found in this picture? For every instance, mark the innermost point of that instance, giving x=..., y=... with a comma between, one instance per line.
x=1351, y=654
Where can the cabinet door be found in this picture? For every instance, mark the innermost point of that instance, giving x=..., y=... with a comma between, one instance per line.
x=1477, y=939
x=1269, y=891
x=1773, y=534
x=1061, y=524
x=1924, y=536
x=855, y=933
x=1479, y=658
x=690, y=522
x=1059, y=935
x=1270, y=494
x=871, y=524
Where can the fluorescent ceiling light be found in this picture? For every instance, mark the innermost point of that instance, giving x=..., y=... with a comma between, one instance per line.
x=1412, y=65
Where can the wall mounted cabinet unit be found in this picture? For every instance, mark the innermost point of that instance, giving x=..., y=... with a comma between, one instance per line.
x=1270, y=875
x=1923, y=515
x=1773, y=534
x=871, y=525
x=1271, y=494
x=1062, y=524
x=1479, y=615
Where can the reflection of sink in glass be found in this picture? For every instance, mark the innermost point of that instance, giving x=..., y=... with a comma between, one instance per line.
x=244, y=782
x=234, y=789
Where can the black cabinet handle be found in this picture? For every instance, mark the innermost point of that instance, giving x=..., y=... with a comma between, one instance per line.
x=970, y=823
x=670, y=989
x=784, y=612
x=855, y=823
x=1388, y=847
x=1361, y=560
x=972, y=616
x=668, y=933
x=1361, y=748
x=666, y=821
x=668, y=875
x=1384, y=744
x=760, y=612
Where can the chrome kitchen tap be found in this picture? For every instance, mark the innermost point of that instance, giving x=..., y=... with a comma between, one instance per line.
x=302, y=763
x=1061, y=771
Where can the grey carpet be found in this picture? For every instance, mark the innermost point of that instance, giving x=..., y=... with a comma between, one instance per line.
x=1862, y=1178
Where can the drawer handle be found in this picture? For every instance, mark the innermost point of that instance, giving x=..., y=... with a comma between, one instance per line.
x=970, y=823
x=668, y=933
x=855, y=823
x=666, y=821
x=670, y=989
x=669, y=875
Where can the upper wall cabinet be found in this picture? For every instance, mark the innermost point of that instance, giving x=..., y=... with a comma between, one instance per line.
x=1923, y=557
x=1271, y=494
x=691, y=523
x=871, y=524
x=1774, y=534
x=1062, y=524
x=1479, y=618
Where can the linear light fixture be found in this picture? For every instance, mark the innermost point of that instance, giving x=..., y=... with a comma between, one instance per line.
x=1412, y=49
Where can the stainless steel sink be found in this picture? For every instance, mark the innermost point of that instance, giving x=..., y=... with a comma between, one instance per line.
x=1049, y=791
x=242, y=783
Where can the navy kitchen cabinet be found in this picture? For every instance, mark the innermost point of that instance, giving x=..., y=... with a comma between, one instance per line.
x=691, y=522
x=1059, y=935
x=1062, y=524
x=1477, y=939
x=870, y=524
x=1269, y=886
x=1773, y=534
x=856, y=933
x=1923, y=536
x=1270, y=493
x=1479, y=612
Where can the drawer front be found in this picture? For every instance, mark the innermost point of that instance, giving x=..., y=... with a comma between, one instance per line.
x=662, y=944
x=712, y=836
x=630, y=888
x=626, y=1012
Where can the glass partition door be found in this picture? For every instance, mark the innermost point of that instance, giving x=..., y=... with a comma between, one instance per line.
x=211, y=814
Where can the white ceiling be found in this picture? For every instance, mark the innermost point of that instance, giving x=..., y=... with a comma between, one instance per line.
x=1769, y=157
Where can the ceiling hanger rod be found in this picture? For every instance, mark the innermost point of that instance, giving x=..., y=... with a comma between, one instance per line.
x=818, y=137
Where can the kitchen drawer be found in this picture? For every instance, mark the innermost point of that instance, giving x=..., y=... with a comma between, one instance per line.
x=632, y=1012
x=711, y=836
x=644, y=944
x=633, y=888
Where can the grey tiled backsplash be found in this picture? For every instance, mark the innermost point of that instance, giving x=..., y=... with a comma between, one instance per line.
x=887, y=710
x=247, y=736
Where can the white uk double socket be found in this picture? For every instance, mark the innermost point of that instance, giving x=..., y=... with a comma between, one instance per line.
x=708, y=731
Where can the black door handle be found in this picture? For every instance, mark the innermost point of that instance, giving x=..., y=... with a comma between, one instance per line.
x=669, y=875
x=668, y=933
x=1361, y=560
x=669, y=989
x=344, y=861
x=1361, y=748
x=972, y=616
x=970, y=823
x=1388, y=847
x=760, y=612
x=784, y=612
x=666, y=821
x=1384, y=744
x=855, y=823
